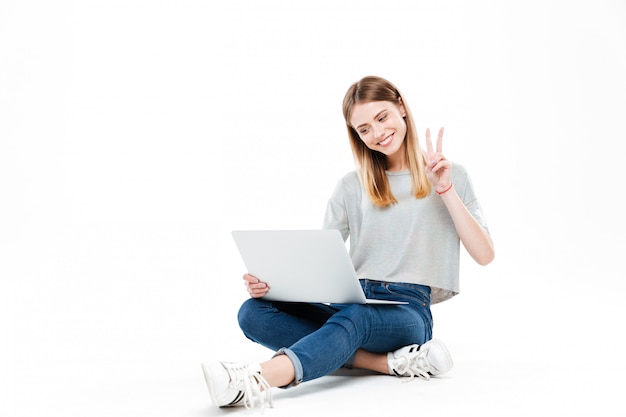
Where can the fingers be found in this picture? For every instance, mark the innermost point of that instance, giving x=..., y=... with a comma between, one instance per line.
x=440, y=164
x=256, y=288
x=439, y=140
x=438, y=169
x=250, y=279
x=429, y=146
x=429, y=143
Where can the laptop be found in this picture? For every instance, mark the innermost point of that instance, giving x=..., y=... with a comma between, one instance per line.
x=302, y=266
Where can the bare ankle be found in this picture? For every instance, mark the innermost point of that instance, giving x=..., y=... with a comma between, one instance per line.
x=278, y=371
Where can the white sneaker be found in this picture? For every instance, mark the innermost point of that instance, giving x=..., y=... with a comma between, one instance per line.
x=232, y=384
x=422, y=361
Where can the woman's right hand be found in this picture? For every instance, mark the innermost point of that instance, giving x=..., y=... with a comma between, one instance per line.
x=256, y=288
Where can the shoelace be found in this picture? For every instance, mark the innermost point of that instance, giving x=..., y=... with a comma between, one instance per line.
x=254, y=387
x=414, y=366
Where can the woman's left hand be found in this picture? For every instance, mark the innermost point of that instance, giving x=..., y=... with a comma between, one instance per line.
x=438, y=169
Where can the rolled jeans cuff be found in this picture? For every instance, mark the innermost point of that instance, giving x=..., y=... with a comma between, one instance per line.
x=297, y=366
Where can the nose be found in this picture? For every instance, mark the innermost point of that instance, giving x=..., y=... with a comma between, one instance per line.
x=379, y=132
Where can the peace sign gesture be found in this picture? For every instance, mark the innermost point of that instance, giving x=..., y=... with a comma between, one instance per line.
x=438, y=168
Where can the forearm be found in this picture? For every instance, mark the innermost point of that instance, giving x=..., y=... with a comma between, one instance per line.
x=474, y=237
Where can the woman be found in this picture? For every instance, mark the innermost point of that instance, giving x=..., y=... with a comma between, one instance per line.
x=405, y=211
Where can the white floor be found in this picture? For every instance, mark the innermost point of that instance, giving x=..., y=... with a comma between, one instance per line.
x=128, y=340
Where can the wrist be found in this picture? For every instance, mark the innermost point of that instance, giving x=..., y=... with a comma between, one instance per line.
x=444, y=190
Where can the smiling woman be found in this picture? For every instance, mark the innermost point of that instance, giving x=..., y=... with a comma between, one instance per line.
x=379, y=119
x=404, y=244
x=384, y=131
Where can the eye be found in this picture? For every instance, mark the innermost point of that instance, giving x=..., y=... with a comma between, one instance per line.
x=382, y=118
x=363, y=131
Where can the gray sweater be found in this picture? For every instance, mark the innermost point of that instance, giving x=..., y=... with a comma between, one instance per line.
x=411, y=241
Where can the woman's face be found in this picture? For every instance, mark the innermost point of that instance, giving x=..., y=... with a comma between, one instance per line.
x=380, y=125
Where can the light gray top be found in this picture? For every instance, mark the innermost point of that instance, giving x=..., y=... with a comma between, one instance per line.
x=411, y=241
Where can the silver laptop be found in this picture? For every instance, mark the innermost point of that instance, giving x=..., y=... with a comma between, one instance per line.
x=302, y=265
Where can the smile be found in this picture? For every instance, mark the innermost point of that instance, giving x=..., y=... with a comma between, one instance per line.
x=386, y=141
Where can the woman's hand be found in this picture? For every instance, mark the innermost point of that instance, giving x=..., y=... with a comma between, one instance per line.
x=474, y=237
x=438, y=169
x=256, y=288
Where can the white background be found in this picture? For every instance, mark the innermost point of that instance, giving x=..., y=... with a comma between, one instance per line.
x=135, y=135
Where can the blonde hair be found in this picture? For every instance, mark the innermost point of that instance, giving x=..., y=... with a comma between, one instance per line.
x=372, y=164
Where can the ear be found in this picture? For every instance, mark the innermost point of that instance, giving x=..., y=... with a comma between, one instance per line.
x=401, y=105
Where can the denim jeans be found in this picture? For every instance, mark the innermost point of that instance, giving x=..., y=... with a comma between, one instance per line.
x=321, y=338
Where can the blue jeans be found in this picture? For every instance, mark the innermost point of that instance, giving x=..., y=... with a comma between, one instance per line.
x=321, y=338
